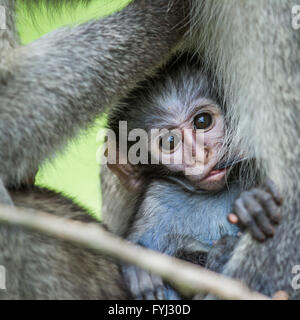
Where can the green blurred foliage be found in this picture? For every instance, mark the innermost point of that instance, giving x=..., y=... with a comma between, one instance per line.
x=75, y=172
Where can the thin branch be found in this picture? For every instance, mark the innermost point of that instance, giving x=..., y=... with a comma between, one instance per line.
x=189, y=279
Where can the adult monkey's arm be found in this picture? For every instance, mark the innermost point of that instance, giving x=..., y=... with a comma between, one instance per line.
x=59, y=83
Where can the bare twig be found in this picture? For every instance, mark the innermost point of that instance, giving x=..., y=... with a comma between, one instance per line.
x=186, y=277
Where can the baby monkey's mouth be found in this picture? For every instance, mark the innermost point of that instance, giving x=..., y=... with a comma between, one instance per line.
x=220, y=171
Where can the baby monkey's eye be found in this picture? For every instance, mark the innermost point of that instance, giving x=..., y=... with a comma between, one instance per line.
x=203, y=121
x=169, y=142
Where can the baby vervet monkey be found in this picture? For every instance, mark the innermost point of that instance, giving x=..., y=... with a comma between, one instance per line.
x=190, y=195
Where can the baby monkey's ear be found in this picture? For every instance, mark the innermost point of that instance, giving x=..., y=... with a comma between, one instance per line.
x=129, y=175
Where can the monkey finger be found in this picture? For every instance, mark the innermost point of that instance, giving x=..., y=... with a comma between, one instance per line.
x=272, y=189
x=259, y=215
x=233, y=218
x=246, y=221
x=269, y=205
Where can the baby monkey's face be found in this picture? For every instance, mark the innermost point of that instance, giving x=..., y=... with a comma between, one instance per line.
x=194, y=146
x=188, y=141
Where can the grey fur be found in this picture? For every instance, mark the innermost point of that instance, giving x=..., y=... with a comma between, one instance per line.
x=8, y=36
x=172, y=216
x=117, y=212
x=179, y=223
x=5, y=197
x=255, y=55
x=46, y=98
x=208, y=208
x=50, y=89
x=42, y=267
x=62, y=85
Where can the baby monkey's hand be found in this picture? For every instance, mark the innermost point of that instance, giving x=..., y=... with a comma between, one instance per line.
x=257, y=210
